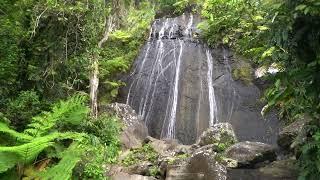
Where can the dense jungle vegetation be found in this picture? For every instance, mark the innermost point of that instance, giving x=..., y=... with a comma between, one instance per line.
x=49, y=49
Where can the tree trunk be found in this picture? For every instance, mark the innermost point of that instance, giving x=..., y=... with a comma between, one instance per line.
x=94, y=79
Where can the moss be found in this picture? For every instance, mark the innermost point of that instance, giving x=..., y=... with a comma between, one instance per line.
x=145, y=153
x=224, y=142
x=154, y=171
x=178, y=158
x=219, y=157
x=243, y=73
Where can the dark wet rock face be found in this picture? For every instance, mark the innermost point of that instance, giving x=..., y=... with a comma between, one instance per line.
x=180, y=87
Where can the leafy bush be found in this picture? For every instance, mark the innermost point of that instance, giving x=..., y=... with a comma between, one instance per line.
x=103, y=147
x=310, y=150
x=21, y=109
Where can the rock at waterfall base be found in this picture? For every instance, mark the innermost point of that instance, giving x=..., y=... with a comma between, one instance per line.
x=289, y=133
x=221, y=135
x=126, y=176
x=248, y=154
x=202, y=165
x=134, y=130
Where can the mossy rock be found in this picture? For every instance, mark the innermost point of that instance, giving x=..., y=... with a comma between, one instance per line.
x=144, y=154
x=221, y=135
x=243, y=73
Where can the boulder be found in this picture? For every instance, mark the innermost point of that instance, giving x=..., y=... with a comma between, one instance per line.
x=248, y=154
x=220, y=133
x=282, y=169
x=165, y=147
x=126, y=176
x=290, y=132
x=134, y=130
x=141, y=168
x=201, y=165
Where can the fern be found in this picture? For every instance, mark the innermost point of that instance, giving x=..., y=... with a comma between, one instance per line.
x=71, y=111
x=63, y=170
x=310, y=159
x=28, y=152
x=42, y=132
x=7, y=161
x=44, y=135
x=20, y=136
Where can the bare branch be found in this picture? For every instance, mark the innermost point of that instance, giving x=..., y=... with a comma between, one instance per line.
x=37, y=23
x=110, y=25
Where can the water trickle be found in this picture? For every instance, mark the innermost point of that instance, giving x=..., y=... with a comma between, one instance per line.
x=231, y=87
x=172, y=118
x=212, y=98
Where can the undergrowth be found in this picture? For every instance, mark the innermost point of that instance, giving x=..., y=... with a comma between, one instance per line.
x=46, y=149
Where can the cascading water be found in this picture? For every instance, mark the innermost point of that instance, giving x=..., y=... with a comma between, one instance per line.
x=180, y=87
x=212, y=99
x=170, y=131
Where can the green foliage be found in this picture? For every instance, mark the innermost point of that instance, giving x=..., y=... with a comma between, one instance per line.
x=154, y=171
x=122, y=48
x=40, y=135
x=64, y=169
x=177, y=7
x=46, y=48
x=46, y=137
x=70, y=112
x=145, y=153
x=106, y=128
x=21, y=109
x=5, y=129
x=310, y=150
x=243, y=73
x=102, y=148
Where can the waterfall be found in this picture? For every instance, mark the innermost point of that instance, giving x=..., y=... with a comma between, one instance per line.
x=137, y=80
x=211, y=94
x=180, y=86
x=172, y=117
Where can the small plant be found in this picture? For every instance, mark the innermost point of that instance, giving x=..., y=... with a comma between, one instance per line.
x=309, y=158
x=154, y=171
x=145, y=153
x=243, y=73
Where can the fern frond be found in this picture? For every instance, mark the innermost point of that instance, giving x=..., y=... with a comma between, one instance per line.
x=29, y=151
x=20, y=136
x=7, y=161
x=72, y=111
x=63, y=170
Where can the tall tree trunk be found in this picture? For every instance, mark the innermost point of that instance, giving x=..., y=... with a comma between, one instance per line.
x=94, y=79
